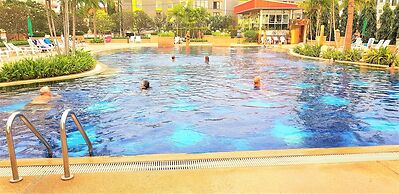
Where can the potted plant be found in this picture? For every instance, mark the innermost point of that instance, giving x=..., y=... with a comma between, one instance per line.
x=166, y=39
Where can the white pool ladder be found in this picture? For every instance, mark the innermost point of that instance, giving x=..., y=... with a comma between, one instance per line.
x=10, y=142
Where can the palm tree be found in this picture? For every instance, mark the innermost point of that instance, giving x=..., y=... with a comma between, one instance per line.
x=349, y=23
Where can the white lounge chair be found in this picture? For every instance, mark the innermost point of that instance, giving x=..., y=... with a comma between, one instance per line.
x=358, y=44
x=379, y=44
x=38, y=48
x=25, y=50
x=137, y=39
x=370, y=43
x=275, y=39
x=386, y=43
x=282, y=40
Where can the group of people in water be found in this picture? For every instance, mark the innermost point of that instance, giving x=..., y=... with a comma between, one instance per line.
x=46, y=95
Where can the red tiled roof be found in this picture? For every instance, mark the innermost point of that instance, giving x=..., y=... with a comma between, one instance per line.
x=263, y=4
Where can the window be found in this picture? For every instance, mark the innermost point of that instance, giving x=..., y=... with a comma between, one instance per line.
x=201, y=3
x=394, y=2
x=276, y=21
x=158, y=5
x=216, y=5
x=170, y=4
x=381, y=1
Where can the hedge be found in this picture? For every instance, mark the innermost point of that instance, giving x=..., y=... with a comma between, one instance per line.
x=45, y=67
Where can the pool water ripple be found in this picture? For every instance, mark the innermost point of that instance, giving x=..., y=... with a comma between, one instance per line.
x=195, y=107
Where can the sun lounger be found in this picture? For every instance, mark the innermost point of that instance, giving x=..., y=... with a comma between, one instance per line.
x=379, y=44
x=370, y=43
x=25, y=50
x=38, y=47
x=386, y=43
x=177, y=40
x=358, y=44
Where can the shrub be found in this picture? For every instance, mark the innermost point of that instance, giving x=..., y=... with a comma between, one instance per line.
x=16, y=43
x=308, y=50
x=39, y=34
x=51, y=66
x=251, y=36
x=79, y=33
x=198, y=40
x=352, y=55
x=332, y=54
x=166, y=34
x=97, y=40
x=218, y=33
x=120, y=37
x=382, y=56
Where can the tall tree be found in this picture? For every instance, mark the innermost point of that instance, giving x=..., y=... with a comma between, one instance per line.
x=386, y=23
x=349, y=23
x=395, y=25
x=368, y=16
x=142, y=21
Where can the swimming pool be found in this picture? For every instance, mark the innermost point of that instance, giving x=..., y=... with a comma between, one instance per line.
x=195, y=107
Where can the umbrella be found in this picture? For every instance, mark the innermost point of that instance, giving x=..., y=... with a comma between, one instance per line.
x=29, y=22
x=364, y=26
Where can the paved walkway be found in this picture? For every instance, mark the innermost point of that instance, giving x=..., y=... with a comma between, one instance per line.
x=343, y=177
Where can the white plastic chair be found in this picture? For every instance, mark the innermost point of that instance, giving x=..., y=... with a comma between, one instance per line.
x=275, y=39
x=138, y=39
x=269, y=40
x=379, y=44
x=386, y=43
x=177, y=40
x=282, y=40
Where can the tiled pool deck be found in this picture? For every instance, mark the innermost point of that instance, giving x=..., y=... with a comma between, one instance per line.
x=364, y=176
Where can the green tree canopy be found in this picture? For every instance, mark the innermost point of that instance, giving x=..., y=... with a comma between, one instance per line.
x=386, y=23
x=395, y=25
x=104, y=22
x=219, y=22
x=369, y=13
x=141, y=21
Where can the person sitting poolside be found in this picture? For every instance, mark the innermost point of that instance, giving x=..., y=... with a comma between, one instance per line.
x=44, y=98
x=206, y=58
x=173, y=58
x=145, y=85
x=257, y=82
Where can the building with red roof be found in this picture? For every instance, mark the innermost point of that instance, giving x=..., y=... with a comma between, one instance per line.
x=267, y=14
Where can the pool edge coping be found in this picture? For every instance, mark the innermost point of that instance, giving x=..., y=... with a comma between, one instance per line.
x=209, y=155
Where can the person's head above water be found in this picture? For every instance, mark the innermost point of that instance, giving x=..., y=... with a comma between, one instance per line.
x=145, y=85
x=257, y=82
x=45, y=91
x=173, y=58
x=206, y=58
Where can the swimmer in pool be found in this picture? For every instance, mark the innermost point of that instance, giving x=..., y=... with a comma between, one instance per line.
x=44, y=98
x=173, y=58
x=206, y=58
x=257, y=82
x=145, y=85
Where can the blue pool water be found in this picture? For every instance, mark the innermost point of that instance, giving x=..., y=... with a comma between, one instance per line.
x=195, y=107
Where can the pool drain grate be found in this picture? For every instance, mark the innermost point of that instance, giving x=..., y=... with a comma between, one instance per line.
x=201, y=163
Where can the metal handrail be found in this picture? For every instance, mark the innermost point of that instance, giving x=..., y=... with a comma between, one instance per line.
x=10, y=142
x=67, y=173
